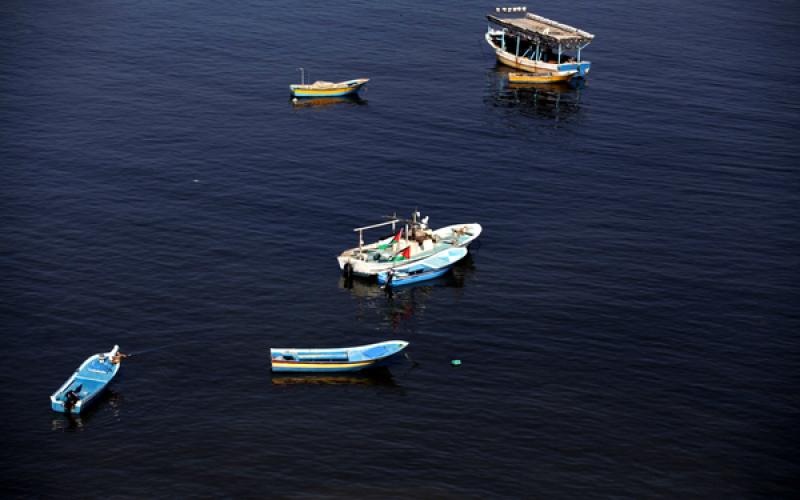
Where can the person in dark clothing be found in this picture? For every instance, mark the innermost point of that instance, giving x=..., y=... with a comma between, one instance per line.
x=72, y=397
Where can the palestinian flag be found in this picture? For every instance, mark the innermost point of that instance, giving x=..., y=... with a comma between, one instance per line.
x=391, y=243
x=404, y=255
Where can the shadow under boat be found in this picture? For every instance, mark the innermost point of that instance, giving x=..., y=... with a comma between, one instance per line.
x=378, y=376
x=551, y=100
x=327, y=102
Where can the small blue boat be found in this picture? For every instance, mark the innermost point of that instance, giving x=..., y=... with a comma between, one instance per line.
x=88, y=382
x=345, y=359
x=422, y=270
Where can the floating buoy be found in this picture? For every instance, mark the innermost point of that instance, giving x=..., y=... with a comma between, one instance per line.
x=456, y=362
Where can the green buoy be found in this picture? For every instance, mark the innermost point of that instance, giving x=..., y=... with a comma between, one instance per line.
x=456, y=362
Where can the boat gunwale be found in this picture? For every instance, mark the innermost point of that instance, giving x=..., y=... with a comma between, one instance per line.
x=343, y=85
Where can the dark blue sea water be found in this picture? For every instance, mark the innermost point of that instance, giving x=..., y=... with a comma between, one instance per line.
x=628, y=325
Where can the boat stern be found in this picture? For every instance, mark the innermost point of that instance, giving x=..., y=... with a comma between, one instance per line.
x=58, y=406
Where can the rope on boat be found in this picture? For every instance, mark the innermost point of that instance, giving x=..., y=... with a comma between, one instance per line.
x=160, y=348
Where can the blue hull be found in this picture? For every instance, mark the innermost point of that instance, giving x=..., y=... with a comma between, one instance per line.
x=87, y=401
x=324, y=369
x=87, y=383
x=416, y=278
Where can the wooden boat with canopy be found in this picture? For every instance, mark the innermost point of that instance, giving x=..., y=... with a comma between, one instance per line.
x=537, y=44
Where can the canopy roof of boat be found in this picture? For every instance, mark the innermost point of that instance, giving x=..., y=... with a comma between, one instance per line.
x=545, y=31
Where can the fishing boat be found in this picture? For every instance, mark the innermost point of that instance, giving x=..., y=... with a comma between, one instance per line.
x=537, y=44
x=422, y=270
x=413, y=242
x=345, y=359
x=542, y=77
x=322, y=88
x=88, y=382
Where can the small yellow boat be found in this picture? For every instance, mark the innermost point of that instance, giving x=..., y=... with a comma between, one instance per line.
x=547, y=77
x=328, y=89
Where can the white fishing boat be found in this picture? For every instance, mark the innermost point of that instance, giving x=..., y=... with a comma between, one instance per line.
x=414, y=241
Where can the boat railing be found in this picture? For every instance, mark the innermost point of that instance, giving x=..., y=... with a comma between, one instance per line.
x=373, y=226
x=360, y=230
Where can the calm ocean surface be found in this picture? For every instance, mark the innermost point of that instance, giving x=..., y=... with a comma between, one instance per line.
x=628, y=323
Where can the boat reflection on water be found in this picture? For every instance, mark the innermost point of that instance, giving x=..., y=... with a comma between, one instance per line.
x=109, y=401
x=327, y=102
x=551, y=101
x=380, y=376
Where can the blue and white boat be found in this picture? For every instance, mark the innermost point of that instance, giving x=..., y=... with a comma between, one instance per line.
x=421, y=270
x=414, y=242
x=345, y=359
x=88, y=382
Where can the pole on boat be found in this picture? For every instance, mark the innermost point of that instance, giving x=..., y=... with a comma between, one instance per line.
x=518, y=37
x=559, y=53
x=302, y=76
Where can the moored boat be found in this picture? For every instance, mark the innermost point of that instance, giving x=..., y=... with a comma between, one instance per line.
x=328, y=89
x=413, y=242
x=344, y=359
x=422, y=270
x=537, y=44
x=543, y=77
x=88, y=382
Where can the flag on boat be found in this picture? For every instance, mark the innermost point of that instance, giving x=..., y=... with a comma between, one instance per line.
x=395, y=240
x=404, y=255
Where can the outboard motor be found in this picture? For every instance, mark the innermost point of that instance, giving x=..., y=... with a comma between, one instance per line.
x=71, y=398
x=389, y=277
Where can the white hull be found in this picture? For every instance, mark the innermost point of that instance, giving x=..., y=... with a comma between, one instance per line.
x=457, y=235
